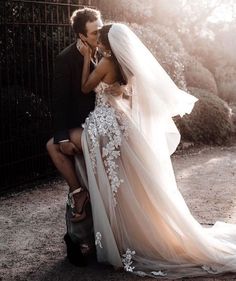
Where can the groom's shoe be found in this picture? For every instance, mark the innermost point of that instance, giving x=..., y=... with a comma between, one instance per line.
x=74, y=253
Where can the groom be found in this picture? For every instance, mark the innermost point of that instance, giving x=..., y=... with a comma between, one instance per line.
x=70, y=108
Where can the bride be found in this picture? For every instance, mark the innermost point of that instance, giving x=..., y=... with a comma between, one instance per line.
x=141, y=220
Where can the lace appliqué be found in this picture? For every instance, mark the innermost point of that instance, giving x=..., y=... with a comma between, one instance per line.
x=98, y=239
x=123, y=123
x=158, y=273
x=127, y=260
x=152, y=273
x=106, y=127
x=210, y=269
x=103, y=128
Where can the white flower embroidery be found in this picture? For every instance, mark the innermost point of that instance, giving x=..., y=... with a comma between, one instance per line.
x=98, y=239
x=140, y=273
x=158, y=273
x=106, y=127
x=209, y=269
x=127, y=260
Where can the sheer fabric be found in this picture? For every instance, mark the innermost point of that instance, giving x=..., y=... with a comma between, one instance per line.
x=141, y=221
x=155, y=97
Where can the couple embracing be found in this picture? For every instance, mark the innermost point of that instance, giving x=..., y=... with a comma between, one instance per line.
x=114, y=134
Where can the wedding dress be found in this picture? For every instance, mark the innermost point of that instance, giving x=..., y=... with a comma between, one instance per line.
x=141, y=221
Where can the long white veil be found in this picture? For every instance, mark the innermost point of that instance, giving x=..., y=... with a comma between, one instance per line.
x=156, y=98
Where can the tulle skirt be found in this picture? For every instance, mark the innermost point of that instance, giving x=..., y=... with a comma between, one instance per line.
x=141, y=221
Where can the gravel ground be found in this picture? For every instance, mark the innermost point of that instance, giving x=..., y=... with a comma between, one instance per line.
x=32, y=221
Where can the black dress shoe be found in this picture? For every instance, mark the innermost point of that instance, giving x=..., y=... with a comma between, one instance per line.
x=74, y=253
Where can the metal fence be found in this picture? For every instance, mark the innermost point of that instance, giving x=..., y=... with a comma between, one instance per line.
x=32, y=33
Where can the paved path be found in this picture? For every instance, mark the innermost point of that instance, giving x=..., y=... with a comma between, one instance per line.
x=32, y=221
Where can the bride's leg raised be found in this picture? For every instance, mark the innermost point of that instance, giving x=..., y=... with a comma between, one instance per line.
x=66, y=166
x=80, y=198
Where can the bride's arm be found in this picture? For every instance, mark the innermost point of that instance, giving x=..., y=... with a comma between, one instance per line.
x=90, y=81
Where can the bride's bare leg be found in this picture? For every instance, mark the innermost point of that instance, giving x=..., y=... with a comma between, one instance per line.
x=65, y=164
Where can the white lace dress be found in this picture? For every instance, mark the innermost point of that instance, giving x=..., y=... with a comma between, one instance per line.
x=141, y=221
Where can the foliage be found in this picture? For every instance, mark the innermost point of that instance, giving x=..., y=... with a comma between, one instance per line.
x=33, y=35
x=225, y=77
x=198, y=76
x=30, y=111
x=209, y=122
x=127, y=11
x=168, y=55
x=28, y=53
x=233, y=109
x=190, y=51
x=197, y=54
x=27, y=121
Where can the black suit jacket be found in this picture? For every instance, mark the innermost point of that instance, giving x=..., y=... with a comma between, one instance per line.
x=70, y=105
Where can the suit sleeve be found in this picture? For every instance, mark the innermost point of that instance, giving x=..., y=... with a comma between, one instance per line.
x=60, y=99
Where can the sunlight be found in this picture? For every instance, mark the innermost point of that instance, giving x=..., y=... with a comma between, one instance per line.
x=223, y=13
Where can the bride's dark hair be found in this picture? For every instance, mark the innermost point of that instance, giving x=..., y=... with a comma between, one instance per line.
x=103, y=38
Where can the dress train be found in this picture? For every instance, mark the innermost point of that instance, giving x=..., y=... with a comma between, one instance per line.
x=141, y=220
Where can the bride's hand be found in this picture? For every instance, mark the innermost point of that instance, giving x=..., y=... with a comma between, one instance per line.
x=84, y=49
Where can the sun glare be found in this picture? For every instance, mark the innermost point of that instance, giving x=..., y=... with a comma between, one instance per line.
x=223, y=13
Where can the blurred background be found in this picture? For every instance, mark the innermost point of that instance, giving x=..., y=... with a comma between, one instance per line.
x=194, y=41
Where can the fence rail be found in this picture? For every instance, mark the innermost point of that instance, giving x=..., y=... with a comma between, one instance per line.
x=32, y=33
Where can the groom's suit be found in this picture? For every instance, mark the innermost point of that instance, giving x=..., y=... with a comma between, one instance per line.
x=70, y=108
x=70, y=105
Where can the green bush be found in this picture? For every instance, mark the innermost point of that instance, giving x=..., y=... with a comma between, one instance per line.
x=198, y=76
x=209, y=122
x=225, y=77
x=170, y=36
x=169, y=56
x=233, y=110
x=125, y=10
x=27, y=123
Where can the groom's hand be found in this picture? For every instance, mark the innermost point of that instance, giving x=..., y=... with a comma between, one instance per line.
x=68, y=148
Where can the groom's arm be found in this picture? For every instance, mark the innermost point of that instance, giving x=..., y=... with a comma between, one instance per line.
x=61, y=93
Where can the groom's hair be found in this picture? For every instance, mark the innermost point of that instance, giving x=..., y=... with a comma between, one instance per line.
x=80, y=17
